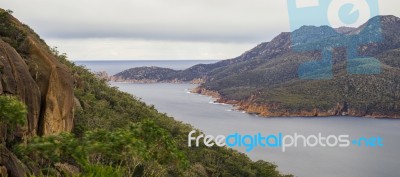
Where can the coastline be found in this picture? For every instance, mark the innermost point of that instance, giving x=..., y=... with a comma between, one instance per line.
x=250, y=107
x=152, y=81
x=263, y=110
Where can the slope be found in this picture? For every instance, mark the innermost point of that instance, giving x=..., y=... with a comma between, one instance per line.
x=113, y=133
x=270, y=85
x=266, y=79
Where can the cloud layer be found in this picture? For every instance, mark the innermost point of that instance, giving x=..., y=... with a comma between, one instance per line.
x=184, y=28
x=187, y=20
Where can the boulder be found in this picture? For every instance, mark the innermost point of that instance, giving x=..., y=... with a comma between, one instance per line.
x=10, y=163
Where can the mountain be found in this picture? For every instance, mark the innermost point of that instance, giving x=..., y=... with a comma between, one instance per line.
x=77, y=125
x=266, y=80
x=344, y=30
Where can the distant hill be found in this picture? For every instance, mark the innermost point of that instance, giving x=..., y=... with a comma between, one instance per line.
x=144, y=74
x=265, y=80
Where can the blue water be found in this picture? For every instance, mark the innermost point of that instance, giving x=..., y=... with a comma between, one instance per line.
x=115, y=66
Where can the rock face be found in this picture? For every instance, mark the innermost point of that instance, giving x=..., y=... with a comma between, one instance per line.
x=12, y=164
x=43, y=83
x=55, y=83
x=16, y=80
x=30, y=71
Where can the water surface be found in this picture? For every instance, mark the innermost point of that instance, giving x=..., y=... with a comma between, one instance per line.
x=215, y=119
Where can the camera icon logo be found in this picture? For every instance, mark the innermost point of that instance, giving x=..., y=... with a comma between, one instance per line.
x=329, y=14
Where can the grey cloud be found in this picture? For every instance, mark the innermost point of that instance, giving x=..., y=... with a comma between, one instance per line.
x=187, y=20
x=230, y=35
x=157, y=29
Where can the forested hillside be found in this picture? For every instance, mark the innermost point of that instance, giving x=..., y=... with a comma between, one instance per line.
x=267, y=79
x=58, y=119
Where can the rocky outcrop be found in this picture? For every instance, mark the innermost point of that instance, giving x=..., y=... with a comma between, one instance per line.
x=3, y=171
x=102, y=75
x=40, y=80
x=45, y=86
x=275, y=110
x=204, y=91
x=56, y=87
x=67, y=169
x=30, y=71
x=16, y=80
x=11, y=164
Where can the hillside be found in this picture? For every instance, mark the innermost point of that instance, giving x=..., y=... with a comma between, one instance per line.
x=265, y=80
x=143, y=74
x=77, y=125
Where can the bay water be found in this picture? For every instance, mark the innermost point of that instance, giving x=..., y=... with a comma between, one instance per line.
x=219, y=119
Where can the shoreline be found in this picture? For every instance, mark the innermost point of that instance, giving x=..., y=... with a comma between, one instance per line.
x=176, y=81
x=252, y=108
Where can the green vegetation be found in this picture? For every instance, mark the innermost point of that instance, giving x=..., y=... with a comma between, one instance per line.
x=273, y=79
x=268, y=74
x=154, y=144
x=12, y=113
x=145, y=73
x=275, y=82
x=116, y=134
x=10, y=33
x=142, y=149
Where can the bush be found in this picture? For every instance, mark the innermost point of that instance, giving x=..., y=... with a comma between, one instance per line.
x=12, y=112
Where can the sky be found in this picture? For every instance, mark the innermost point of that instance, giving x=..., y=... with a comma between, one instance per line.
x=159, y=29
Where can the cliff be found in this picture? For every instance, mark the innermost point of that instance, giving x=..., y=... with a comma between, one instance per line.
x=29, y=70
x=32, y=72
x=251, y=106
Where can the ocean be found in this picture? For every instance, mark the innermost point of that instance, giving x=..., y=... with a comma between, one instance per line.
x=221, y=119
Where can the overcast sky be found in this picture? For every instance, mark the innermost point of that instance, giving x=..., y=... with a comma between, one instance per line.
x=157, y=29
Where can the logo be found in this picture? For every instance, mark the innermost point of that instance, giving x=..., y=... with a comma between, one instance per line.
x=279, y=140
x=329, y=14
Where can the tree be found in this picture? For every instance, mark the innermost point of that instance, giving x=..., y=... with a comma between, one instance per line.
x=12, y=112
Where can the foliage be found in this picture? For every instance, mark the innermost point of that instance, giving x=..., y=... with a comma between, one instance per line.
x=101, y=171
x=145, y=73
x=273, y=80
x=12, y=112
x=116, y=134
x=10, y=33
x=143, y=148
x=268, y=73
x=160, y=142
